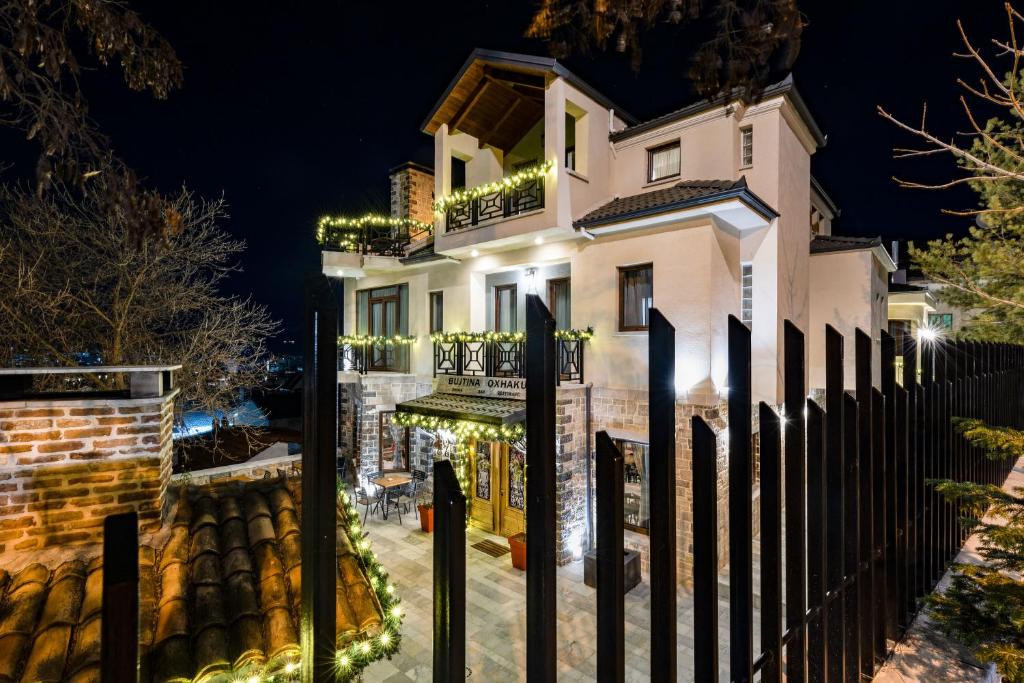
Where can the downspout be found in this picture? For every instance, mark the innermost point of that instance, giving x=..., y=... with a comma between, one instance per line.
x=589, y=501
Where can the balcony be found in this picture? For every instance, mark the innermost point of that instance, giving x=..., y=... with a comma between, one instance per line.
x=374, y=354
x=519, y=193
x=371, y=235
x=491, y=354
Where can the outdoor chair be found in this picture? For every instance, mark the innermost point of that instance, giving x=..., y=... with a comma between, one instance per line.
x=410, y=492
x=363, y=498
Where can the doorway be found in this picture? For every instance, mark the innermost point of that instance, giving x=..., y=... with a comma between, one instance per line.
x=383, y=322
x=505, y=318
x=499, y=487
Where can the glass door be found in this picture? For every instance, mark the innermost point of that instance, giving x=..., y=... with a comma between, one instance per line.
x=505, y=308
x=483, y=510
x=513, y=491
x=559, y=302
x=383, y=321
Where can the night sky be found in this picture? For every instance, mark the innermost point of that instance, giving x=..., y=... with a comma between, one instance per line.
x=292, y=113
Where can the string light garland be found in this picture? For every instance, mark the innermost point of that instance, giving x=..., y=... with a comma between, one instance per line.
x=377, y=340
x=357, y=655
x=458, y=336
x=351, y=240
x=509, y=182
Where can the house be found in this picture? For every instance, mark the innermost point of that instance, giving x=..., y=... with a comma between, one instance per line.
x=541, y=184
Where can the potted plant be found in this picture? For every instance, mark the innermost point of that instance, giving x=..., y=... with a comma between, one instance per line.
x=517, y=544
x=426, y=516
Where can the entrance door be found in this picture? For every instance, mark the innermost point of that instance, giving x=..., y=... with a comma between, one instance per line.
x=483, y=509
x=505, y=319
x=498, y=488
x=513, y=491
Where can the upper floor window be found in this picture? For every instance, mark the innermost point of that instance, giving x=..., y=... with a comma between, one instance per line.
x=747, y=293
x=384, y=312
x=746, y=146
x=458, y=179
x=663, y=162
x=436, y=312
x=570, y=142
x=636, y=297
x=941, y=321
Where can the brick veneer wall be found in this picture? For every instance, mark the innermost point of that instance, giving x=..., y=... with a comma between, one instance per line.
x=412, y=192
x=65, y=464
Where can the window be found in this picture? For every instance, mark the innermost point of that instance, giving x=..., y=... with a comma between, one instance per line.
x=436, y=312
x=746, y=146
x=505, y=308
x=747, y=294
x=394, y=444
x=663, y=162
x=458, y=174
x=570, y=141
x=941, y=321
x=901, y=334
x=636, y=505
x=559, y=302
x=636, y=296
x=384, y=311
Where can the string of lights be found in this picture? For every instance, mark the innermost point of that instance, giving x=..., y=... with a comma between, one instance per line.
x=509, y=182
x=377, y=340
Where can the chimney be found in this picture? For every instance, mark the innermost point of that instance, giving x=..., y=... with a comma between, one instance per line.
x=412, y=192
x=900, y=276
x=68, y=460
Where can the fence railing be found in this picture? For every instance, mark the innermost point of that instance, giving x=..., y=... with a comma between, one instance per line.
x=363, y=358
x=498, y=358
x=372, y=240
x=502, y=203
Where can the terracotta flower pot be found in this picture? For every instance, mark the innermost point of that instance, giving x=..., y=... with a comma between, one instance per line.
x=518, y=545
x=426, y=517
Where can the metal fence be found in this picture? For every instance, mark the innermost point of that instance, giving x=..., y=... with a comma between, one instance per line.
x=501, y=358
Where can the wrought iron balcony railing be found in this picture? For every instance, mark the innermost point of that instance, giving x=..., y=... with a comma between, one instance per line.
x=501, y=203
x=363, y=358
x=371, y=235
x=478, y=356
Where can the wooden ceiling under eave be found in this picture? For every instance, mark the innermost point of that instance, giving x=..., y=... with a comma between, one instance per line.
x=497, y=106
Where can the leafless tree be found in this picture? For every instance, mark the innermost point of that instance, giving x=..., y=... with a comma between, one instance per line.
x=45, y=45
x=73, y=279
x=747, y=42
x=989, y=150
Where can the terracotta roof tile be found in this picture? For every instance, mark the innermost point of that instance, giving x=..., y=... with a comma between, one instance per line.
x=221, y=595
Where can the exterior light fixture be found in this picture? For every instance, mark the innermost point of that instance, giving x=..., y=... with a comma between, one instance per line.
x=538, y=240
x=531, y=280
x=474, y=253
x=927, y=334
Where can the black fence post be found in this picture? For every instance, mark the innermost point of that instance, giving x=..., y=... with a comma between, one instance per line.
x=740, y=505
x=319, y=475
x=817, y=542
x=851, y=539
x=611, y=610
x=795, y=401
x=540, y=493
x=771, y=545
x=449, y=575
x=662, y=485
x=903, y=543
x=705, y=553
x=865, y=529
x=835, y=478
x=119, y=637
x=892, y=526
x=879, y=552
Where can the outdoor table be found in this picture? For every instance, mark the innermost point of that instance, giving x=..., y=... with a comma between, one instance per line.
x=389, y=482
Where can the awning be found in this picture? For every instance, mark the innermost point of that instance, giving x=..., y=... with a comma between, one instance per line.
x=493, y=411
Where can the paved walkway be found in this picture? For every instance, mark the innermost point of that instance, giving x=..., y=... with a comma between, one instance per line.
x=496, y=614
x=925, y=654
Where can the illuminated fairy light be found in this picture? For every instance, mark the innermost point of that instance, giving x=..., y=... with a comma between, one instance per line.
x=377, y=340
x=509, y=182
x=356, y=225
x=490, y=336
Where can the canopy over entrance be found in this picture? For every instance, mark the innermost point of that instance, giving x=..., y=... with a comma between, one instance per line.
x=492, y=411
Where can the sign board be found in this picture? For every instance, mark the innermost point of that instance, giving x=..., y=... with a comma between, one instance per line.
x=489, y=387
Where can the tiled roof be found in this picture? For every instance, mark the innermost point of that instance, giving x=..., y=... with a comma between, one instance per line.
x=498, y=411
x=822, y=244
x=220, y=597
x=679, y=196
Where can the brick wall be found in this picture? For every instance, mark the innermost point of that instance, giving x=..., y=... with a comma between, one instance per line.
x=65, y=464
x=412, y=192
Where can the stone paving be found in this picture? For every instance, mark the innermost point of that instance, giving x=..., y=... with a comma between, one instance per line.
x=496, y=614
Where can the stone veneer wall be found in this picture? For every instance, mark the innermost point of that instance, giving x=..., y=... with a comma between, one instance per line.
x=66, y=463
x=361, y=399
x=412, y=192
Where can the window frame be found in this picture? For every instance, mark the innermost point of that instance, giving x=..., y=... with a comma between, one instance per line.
x=646, y=531
x=622, y=270
x=380, y=444
x=941, y=325
x=744, y=267
x=651, y=151
x=552, y=284
x=436, y=325
x=746, y=131
x=513, y=314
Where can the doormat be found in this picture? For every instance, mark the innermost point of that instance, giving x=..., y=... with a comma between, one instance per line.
x=491, y=548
